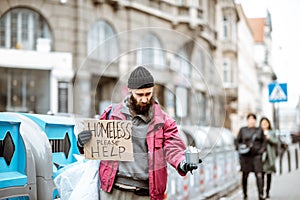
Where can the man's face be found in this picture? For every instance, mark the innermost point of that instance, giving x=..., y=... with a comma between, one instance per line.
x=251, y=121
x=141, y=100
x=142, y=96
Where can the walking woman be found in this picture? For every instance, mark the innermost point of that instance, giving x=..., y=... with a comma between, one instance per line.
x=251, y=161
x=269, y=156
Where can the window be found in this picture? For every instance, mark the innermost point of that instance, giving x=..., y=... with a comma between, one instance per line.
x=102, y=45
x=181, y=102
x=183, y=60
x=225, y=27
x=151, y=52
x=179, y=2
x=198, y=61
x=103, y=96
x=184, y=65
x=159, y=93
x=170, y=103
x=202, y=104
x=63, y=88
x=199, y=107
x=22, y=28
x=227, y=72
x=24, y=90
x=266, y=57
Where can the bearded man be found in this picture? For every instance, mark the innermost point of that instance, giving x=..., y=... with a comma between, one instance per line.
x=156, y=141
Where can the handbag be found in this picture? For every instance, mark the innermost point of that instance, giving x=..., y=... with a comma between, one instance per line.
x=244, y=148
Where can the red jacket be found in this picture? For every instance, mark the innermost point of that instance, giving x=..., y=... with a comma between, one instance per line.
x=164, y=145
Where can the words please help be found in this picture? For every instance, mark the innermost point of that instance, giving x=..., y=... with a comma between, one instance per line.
x=111, y=140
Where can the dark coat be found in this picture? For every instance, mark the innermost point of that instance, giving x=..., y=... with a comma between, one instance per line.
x=252, y=162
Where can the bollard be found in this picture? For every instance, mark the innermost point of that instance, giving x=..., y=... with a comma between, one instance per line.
x=280, y=162
x=296, y=157
x=289, y=159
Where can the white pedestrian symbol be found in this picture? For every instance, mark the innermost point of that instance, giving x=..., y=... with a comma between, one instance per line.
x=278, y=93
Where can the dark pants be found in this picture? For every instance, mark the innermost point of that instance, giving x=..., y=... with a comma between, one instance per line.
x=269, y=178
x=259, y=182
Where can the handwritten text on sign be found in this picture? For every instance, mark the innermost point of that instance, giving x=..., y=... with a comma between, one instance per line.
x=111, y=140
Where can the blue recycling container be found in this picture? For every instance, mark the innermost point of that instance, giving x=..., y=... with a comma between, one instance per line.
x=17, y=169
x=62, y=139
x=60, y=132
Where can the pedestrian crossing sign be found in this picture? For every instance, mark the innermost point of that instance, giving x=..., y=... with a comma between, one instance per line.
x=277, y=92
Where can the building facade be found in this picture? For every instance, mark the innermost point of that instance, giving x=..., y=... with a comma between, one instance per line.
x=74, y=56
x=248, y=87
x=227, y=20
x=34, y=77
x=262, y=28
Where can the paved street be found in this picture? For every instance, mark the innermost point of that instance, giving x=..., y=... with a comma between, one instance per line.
x=285, y=186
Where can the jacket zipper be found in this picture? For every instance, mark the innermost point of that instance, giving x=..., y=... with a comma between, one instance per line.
x=110, y=176
x=112, y=117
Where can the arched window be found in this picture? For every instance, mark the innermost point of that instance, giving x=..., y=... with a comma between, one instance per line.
x=183, y=61
x=23, y=28
x=102, y=45
x=151, y=52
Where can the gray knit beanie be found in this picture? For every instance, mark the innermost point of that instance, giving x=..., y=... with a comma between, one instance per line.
x=140, y=78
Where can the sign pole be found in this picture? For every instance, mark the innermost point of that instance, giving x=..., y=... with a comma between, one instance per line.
x=278, y=117
x=274, y=115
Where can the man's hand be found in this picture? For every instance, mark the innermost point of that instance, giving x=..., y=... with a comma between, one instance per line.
x=84, y=137
x=188, y=167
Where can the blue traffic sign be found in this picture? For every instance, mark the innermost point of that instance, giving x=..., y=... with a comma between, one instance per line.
x=277, y=92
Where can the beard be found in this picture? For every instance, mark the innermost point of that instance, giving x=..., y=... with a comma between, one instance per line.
x=139, y=109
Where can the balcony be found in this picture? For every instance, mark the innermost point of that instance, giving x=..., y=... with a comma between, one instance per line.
x=227, y=4
x=231, y=99
x=193, y=13
x=168, y=10
x=231, y=92
x=229, y=46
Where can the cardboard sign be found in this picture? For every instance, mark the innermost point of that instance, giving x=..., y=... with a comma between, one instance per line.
x=111, y=140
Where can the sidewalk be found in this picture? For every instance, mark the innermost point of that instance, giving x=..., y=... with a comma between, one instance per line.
x=284, y=186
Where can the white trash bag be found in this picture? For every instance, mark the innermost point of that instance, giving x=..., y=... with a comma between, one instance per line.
x=80, y=180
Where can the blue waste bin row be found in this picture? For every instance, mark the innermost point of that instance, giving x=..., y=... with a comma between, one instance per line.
x=32, y=148
x=219, y=171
